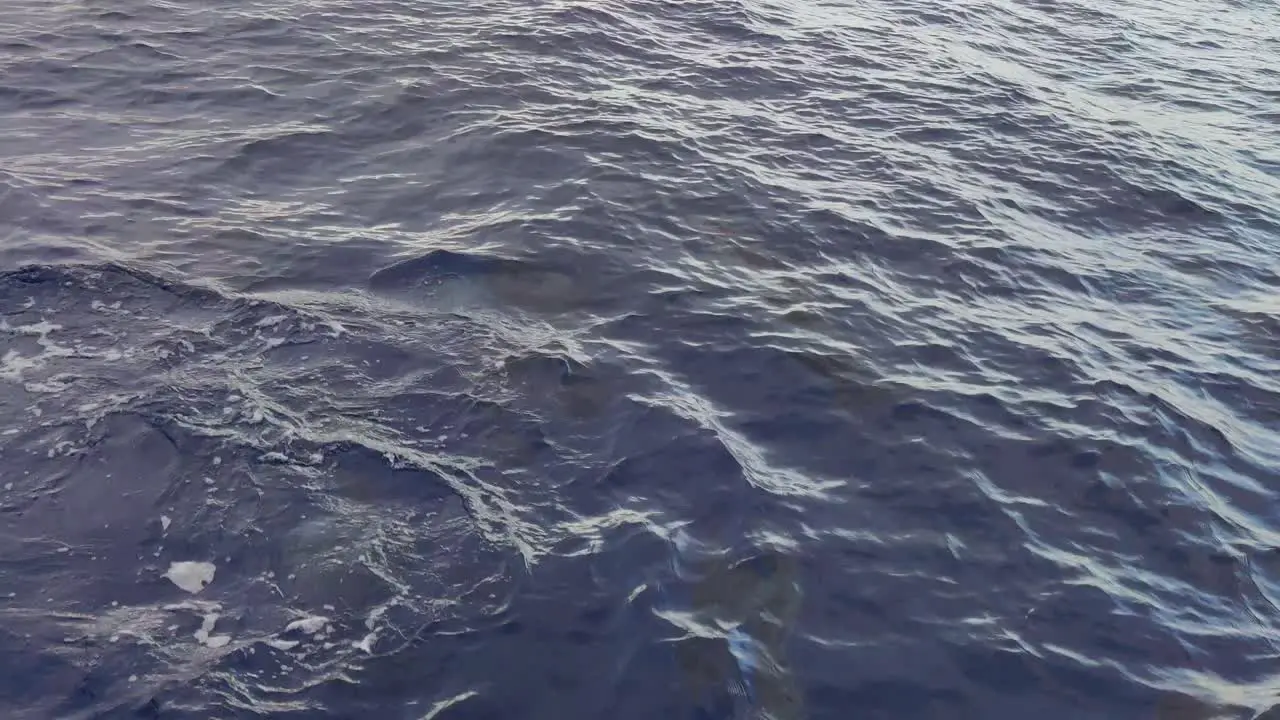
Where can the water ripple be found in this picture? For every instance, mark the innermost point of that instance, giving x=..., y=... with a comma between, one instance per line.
x=678, y=358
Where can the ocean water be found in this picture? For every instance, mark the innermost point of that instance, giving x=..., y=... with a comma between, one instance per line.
x=629, y=359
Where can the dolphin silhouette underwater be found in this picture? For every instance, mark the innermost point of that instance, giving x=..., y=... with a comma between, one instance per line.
x=736, y=620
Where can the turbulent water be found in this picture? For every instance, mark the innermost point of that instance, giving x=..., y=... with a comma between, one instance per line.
x=717, y=359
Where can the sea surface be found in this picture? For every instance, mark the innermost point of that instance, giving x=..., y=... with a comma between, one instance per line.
x=632, y=359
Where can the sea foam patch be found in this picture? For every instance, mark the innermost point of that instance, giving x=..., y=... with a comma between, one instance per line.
x=191, y=576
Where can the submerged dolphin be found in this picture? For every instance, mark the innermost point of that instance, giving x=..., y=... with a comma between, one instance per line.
x=738, y=619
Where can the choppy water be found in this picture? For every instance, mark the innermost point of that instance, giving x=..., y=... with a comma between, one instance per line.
x=640, y=359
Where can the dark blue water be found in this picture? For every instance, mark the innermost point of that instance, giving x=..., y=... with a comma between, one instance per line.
x=689, y=359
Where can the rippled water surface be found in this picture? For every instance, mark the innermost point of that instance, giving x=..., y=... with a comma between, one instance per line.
x=750, y=359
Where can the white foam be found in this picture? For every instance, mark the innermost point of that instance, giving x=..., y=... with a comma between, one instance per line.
x=13, y=365
x=164, y=523
x=218, y=641
x=42, y=328
x=313, y=625
x=443, y=705
x=191, y=576
x=281, y=644
x=366, y=643
x=203, y=634
x=200, y=606
x=271, y=321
